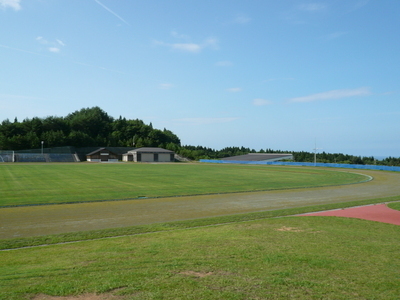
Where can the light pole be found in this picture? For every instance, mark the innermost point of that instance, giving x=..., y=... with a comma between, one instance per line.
x=42, y=147
x=315, y=154
x=315, y=157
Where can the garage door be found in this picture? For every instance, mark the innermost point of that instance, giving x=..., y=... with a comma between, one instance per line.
x=164, y=157
x=147, y=157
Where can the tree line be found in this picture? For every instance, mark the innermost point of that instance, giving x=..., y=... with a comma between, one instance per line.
x=84, y=128
x=93, y=127
x=200, y=152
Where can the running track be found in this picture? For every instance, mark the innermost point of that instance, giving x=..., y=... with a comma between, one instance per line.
x=378, y=212
x=54, y=219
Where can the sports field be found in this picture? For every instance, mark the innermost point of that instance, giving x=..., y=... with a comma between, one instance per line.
x=281, y=258
x=66, y=183
x=230, y=256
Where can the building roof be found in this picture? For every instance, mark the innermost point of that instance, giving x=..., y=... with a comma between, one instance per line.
x=114, y=150
x=259, y=157
x=99, y=150
x=151, y=150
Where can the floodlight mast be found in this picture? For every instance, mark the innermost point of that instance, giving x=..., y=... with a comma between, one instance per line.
x=315, y=154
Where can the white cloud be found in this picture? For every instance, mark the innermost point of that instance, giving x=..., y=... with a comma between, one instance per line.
x=165, y=86
x=224, y=63
x=52, y=46
x=312, y=7
x=61, y=43
x=110, y=11
x=190, y=47
x=335, y=94
x=261, y=102
x=205, y=121
x=234, y=90
x=10, y=3
x=210, y=42
x=242, y=19
x=179, y=36
x=389, y=93
x=41, y=40
x=54, y=49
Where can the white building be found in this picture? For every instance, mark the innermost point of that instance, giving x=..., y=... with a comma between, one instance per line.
x=149, y=154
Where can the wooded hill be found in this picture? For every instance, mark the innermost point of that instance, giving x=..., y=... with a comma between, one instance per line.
x=93, y=127
x=84, y=128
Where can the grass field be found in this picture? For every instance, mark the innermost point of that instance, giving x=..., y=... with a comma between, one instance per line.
x=395, y=205
x=284, y=258
x=245, y=256
x=60, y=183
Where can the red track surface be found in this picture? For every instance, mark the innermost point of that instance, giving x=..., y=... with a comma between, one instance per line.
x=378, y=212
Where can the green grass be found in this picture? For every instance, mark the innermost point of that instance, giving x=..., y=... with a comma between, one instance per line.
x=27, y=184
x=281, y=258
x=395, y=205
x=15, y=243
x=259, y=255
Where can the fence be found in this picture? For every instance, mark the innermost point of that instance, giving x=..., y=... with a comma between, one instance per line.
x=60, y=150
x=56, y=154
x=306, y=164
x=36, y=157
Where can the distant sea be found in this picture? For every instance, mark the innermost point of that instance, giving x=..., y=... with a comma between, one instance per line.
x=381, y=157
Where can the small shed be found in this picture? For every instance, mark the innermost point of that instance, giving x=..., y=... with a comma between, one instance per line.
x=149, y=154
x=102, y=155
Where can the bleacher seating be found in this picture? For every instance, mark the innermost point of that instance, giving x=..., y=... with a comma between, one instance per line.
x=47, y=157
x=29, y=157
x=61, y=157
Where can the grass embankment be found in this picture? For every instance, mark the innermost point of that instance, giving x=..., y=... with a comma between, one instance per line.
x=282, y=258
x=32, y=184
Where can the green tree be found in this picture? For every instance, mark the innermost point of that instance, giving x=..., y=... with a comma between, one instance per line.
x=92, y=121
x=80, y=139
x=54, y=138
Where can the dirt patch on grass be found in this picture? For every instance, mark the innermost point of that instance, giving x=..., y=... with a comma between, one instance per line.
x=196, y=274
x=293, y=229
x=80, y=297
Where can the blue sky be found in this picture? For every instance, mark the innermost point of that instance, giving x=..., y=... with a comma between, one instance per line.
x=256, y=73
